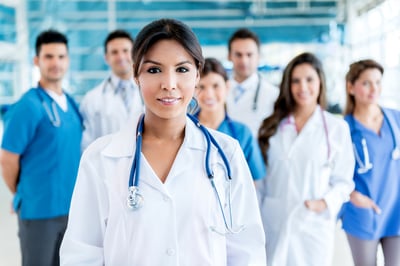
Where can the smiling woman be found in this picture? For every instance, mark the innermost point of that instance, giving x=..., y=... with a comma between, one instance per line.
x=193, y=199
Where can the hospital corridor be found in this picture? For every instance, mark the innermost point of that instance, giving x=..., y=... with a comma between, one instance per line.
x=200, y=132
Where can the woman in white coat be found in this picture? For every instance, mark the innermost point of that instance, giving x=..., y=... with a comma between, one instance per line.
x=309, y=164
x=173, y=213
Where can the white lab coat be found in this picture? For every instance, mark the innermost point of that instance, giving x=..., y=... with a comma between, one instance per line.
x=242, y=109
x=104, y=112
x=173, y=226
x=297, y=172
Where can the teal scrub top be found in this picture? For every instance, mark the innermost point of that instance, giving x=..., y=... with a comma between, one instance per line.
x=381, y=183
x=49, y=155
x=247, y=142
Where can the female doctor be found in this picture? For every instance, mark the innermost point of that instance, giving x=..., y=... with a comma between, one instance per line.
x=372, y=215
x=211, y=94
x=146, y=195
x=309, y=169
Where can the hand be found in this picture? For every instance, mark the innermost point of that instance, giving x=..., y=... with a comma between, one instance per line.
x=317, y=206
x=363, y=201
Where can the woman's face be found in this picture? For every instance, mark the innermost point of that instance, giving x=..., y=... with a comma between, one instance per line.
x=211, y=92
x=367, y=88
x=167, y=78
x=305, y=85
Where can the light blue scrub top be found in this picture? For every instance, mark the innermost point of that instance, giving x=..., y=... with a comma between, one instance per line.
x=381, y=183
x=247, y=142
x=49, y=155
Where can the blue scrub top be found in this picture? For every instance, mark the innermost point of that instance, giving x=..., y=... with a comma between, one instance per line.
x=247, y=142
x=49, y=155
x=381, y=183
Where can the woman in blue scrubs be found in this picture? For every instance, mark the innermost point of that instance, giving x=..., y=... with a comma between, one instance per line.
x=211, y=94
x=372, y=215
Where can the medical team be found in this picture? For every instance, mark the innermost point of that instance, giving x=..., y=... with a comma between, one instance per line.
x=161, y=164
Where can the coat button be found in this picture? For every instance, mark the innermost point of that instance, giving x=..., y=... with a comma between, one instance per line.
x=170, y=252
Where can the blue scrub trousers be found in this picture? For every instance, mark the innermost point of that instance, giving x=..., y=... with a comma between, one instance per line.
x=40, y=240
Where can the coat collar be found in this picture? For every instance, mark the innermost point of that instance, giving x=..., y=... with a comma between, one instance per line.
x=123, y=143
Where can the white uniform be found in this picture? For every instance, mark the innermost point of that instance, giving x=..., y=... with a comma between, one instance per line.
x=241, y=107
x=299, y=170
x=173, y=226
x=104, y=112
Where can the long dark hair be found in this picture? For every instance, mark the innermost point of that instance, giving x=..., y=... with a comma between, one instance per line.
x=285, y=104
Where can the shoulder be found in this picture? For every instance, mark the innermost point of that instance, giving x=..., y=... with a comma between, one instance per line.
x=95, y=149
x=227, y=143
x=242, y=129
x=336, y=122
x=91, y=97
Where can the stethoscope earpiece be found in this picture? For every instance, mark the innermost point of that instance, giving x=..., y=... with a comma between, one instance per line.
x=135, y=200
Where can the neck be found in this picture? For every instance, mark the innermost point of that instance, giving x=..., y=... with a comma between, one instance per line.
x=304, y=113
x=212, y=119
x=239, y=78
x=125, y=76
x=367, y=112
x=164, y=129
x=55, y=86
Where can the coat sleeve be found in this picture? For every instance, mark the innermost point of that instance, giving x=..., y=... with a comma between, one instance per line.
x=89, y=122
x=248, y=246
x=83, y=240
x=341, y=179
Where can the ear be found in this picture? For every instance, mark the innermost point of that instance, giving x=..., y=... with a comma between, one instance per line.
x=228, y=85
x=349, y=88
x=36, y=61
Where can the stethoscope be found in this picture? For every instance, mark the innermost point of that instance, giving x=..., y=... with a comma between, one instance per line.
x=365, y=165
x=255, y=99
x=135, y=199
x=52, y=112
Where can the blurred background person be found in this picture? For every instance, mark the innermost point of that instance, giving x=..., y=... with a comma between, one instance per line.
x=211, y=93
x=372, y=215
x=117, y=100
x=309, y=169
x=251, y=98
x=40, y=154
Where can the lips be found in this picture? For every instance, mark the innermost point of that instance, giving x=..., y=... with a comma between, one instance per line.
x=169, y=100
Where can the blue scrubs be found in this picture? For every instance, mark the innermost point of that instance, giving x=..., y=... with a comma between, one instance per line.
x=381, y=183
x=249, y=145
x=49, y=155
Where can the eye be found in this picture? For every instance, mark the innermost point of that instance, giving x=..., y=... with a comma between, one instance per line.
x=153, y=70
x=182, y=70
x=295, y=81
x=310, y=79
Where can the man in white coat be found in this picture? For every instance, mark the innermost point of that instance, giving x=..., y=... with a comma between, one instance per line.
x=117, y=100
x=251, y=98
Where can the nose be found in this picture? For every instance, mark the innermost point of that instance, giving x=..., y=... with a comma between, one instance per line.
x=169, y=81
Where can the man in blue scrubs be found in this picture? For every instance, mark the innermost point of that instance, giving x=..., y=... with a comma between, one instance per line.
x=40, y=154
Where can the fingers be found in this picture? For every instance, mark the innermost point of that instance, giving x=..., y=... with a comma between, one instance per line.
x=375, y=207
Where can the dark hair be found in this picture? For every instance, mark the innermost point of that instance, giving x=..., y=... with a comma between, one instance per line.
x=243, y=33
x=49, y=36
x=285, y=104
x=212, y=65
x=166, y=29
x=116, y=34
x=355, y=70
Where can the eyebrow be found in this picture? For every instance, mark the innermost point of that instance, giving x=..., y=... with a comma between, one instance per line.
x=158, y=63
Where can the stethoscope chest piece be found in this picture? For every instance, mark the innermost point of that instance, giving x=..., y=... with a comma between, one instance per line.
x=396, y=153
x=135, y=200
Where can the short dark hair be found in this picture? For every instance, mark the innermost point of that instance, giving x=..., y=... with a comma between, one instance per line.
x=243, y=33
x=166, y=29
x=116, y=34
x=50, y=36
